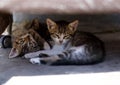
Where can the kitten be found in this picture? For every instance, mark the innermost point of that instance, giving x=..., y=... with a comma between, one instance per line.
x=71, y=47
x=28, y=43
x=28, y=37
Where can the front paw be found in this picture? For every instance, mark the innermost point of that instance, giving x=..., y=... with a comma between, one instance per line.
x=35, y=61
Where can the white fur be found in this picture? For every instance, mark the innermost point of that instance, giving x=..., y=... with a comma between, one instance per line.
x=80, y=49
x=56, y=49
x=46, y=46
x=32, y=55
x=35, y=61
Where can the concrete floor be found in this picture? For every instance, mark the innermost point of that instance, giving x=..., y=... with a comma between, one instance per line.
x=19, y=71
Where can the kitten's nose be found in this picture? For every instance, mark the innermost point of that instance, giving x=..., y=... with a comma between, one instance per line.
x=60, y=41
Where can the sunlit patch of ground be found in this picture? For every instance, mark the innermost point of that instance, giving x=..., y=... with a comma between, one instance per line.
x=107, y=78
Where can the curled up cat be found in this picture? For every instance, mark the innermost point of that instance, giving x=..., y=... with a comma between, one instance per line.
x=70, y=46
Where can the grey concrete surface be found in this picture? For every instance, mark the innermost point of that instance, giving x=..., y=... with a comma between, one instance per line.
x=17, y=67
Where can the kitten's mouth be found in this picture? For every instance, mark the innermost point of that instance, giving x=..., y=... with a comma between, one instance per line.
x=59, y=43
x=13, y=53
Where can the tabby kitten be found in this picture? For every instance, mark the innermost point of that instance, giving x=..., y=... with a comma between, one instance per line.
x=28, y=43
x=71, y=47
x=28, y=37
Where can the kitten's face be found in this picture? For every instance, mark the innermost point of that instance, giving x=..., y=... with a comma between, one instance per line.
x=61, y=32
x=21, y=45
x=60, y=38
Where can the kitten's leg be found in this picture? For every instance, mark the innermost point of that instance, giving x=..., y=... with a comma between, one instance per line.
x=47, y=59
x=31, y=55
x=35, y=54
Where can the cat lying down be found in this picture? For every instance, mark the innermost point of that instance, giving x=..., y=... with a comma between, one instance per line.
x=28, y=43
x=70, y=46
x=28, y=37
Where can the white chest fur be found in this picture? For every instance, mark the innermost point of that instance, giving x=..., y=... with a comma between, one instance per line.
x=57, y=49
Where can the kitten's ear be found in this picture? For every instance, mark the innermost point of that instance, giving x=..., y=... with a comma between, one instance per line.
x=13, y=53
x=50, y=23
x=73, y=25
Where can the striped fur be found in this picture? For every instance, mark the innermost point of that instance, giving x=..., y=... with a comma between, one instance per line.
x=29, y=42
x=28, y=37
x=74, y=47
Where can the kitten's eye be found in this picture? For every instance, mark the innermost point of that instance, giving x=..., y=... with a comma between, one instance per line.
x=56, y=35
x=21, y=41
x=66, y=37
x=16, y=42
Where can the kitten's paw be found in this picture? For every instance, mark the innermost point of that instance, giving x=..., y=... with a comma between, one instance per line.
x=35, y=61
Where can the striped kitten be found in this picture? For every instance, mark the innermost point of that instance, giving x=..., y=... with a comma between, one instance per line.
x=28, y=36
x=71, y=47
x=28, y=43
